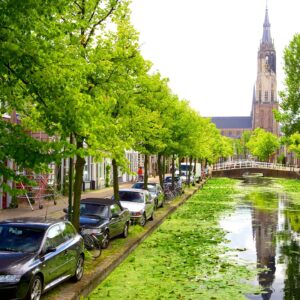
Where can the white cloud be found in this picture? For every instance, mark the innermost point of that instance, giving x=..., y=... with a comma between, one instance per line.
x=208, y=49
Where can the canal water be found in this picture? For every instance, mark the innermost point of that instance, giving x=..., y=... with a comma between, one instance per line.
x=265, y=228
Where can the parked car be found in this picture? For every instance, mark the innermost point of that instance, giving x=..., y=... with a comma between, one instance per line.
x=139, y=203
x=185, y=178
x=37, y=254
x=104, y=218
x=178, y=188
x=155, y=190
x=177, y=179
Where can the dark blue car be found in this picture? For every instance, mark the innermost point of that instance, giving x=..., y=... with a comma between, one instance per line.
x=37, y=254
x=104, y=218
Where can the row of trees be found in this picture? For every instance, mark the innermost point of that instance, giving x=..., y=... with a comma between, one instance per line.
x=258, y=143
x=74, y=70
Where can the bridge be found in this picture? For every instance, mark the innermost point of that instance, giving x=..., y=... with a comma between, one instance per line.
x=240, y=168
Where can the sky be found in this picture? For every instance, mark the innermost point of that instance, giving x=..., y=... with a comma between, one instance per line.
x=208, y=48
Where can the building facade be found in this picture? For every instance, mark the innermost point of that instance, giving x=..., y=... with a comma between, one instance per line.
x=264, y=99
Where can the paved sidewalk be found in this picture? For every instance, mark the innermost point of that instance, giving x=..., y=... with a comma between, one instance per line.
x=49, y=208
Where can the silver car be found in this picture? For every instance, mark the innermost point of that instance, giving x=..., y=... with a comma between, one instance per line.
x=139, y=203
x=155, y=190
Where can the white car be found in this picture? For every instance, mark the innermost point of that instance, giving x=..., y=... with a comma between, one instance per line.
x=139, y=203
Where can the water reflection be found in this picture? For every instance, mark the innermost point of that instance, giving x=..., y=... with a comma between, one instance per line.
x=267, y=225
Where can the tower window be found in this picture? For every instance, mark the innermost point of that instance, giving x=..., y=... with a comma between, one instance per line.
x=266, y=96
x=259, y=96
x=272, y=96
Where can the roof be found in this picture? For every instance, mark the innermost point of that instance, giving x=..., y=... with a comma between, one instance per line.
x=232, y=122
x=133, y=190
x=101, y=201
x=37, y=222
x=267, y=32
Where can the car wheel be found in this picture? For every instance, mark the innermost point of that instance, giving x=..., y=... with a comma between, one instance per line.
x=35, y=289
x=143, y=220
x=105, y=241
x=125, y=231
x=79, y=269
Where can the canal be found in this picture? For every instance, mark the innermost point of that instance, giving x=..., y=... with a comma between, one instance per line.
x=232, y=240
x=265, y=226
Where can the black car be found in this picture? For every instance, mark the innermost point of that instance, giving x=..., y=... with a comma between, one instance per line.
x=36, y=254
x=105, y=218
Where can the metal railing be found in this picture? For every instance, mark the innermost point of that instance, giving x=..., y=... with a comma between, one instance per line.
x=242, y=164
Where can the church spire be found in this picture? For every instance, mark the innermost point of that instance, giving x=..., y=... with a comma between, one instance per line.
x=267, y=32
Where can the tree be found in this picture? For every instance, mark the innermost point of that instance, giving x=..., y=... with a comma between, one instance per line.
x=263, y=144
x=289, y=116
x=294, y=143
x=25, y=151
x=49, y=74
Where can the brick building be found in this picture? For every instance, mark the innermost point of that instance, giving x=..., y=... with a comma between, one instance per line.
x=264, y=99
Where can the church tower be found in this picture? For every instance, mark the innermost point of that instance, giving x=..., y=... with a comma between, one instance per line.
x=265, y=96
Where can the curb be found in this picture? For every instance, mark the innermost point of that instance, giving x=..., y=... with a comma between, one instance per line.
x=71, y=291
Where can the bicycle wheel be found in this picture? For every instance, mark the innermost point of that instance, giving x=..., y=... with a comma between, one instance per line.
x=92, y=244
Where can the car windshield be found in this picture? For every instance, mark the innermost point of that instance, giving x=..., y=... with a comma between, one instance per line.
x=131, y=196
x=151, y=189
x=140, y=185
x=169, y=179
x=20, y=239
x=94, y=209
x=186, y=167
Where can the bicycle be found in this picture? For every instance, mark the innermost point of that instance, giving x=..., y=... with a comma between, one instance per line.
x=168, y=192
x=92, y=244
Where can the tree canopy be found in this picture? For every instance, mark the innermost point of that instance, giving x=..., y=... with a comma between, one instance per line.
x=75, y=71
x=263, y=144
x=289, y=114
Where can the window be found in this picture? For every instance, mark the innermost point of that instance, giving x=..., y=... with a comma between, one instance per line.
x=69, y=231
x=115, y=209
x=131, y=196
x=259, y=96
x=94, y=209
x=272, y=95
x=20, y=238
x=266, y=96
x=54, y=236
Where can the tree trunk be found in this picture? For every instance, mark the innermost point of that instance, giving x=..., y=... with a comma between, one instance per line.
x=160, y=170
x=115, y=180
x=190, y=168
x=179, y=162
x=146, y=170
x=173, y=171
x=164, y=167
x=70, y=198
x=79, y=166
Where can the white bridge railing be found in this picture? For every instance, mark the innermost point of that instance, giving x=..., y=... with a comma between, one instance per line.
x=242, y=164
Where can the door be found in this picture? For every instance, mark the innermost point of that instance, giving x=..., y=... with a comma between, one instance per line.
x=149, y=203
x=116, y=222
x=54, y=263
